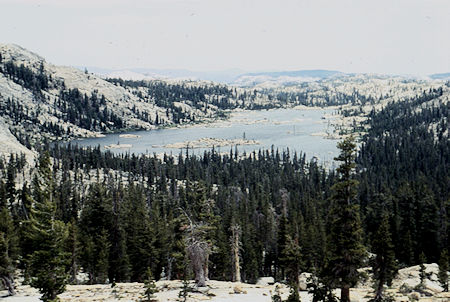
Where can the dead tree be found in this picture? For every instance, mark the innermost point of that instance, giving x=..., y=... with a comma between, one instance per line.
x=235, y=252
x=8, y=283
x=197, y=253
x=198, y=250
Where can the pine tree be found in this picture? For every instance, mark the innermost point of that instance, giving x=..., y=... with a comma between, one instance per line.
x=291, y=255
x=422, y=271
x=8, y=250
x=186, y=288
x=320, y=291
x=276, y=297
x=48, y=262
x=184, y=292
x=346, y=251
x=73, y=248
x=102, y=254
x=95, y=224
x=294, y=296
x=11, y=185
x=140, y=236
x=281, y=243
x=384, y=265
x=443, y=269
x=150, y=286
x=119, y=265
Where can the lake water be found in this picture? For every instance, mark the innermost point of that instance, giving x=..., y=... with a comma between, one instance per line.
x=280, y=128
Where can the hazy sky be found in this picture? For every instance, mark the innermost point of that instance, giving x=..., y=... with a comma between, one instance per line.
x=381, y=36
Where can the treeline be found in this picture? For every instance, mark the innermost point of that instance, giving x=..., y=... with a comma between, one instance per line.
x=88, y=112
x=24, y=76
x=206, y=98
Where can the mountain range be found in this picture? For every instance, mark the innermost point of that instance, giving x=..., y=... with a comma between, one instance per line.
x=234, y=76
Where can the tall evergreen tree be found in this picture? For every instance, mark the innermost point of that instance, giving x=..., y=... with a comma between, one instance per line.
x=8, y=250
x=443, y=269
x=384, y=264
x=73, y=248
x=48, y=261
x=95, y=225
x=292, y=256
x=140, y=236
x=346, y=251
x=282, y=239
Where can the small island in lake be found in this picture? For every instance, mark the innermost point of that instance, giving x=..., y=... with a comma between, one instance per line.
x=118, y=146
x=129, y=136
x=209, y=142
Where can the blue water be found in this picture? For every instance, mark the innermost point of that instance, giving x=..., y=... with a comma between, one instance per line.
x=280, y=128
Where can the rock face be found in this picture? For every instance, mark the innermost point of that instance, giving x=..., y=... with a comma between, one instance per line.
x=410, y=276
x=9, y=143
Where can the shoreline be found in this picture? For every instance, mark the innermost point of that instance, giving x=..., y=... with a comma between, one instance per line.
x=232, y=117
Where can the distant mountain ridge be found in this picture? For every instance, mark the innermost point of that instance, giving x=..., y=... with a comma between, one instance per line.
x=239, y=77
x=232, y=76
x=440, y=76
x=225, y=76
x=311, y=73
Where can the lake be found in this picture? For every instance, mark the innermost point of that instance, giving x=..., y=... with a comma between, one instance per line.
x=281, y=128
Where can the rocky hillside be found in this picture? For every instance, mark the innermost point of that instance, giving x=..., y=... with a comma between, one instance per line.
x=41, y=99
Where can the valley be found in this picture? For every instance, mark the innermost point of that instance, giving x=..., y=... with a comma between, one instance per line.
x=113, y=188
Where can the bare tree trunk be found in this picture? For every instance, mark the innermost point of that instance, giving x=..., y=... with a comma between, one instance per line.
x=206, y=267
x=345, y=294
x=200, y=278
x=169, y=268
x=379, y=291
x=197, y=252
x=74, y=271
x=9, y=284
x=235, y=247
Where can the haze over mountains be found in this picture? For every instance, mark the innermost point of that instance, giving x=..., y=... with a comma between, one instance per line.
x=234, y=76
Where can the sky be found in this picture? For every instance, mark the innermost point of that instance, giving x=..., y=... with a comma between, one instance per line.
x=377, y=36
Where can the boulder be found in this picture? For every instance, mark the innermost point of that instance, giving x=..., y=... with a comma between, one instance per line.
x=401, y=299
x=414, y=296
x=302, y=285
x=238, y=290
x=264, y=281
x=433, y=286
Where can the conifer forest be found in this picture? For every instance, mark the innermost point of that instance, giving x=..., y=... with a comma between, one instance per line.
x=234, y=217
x=224, y=151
